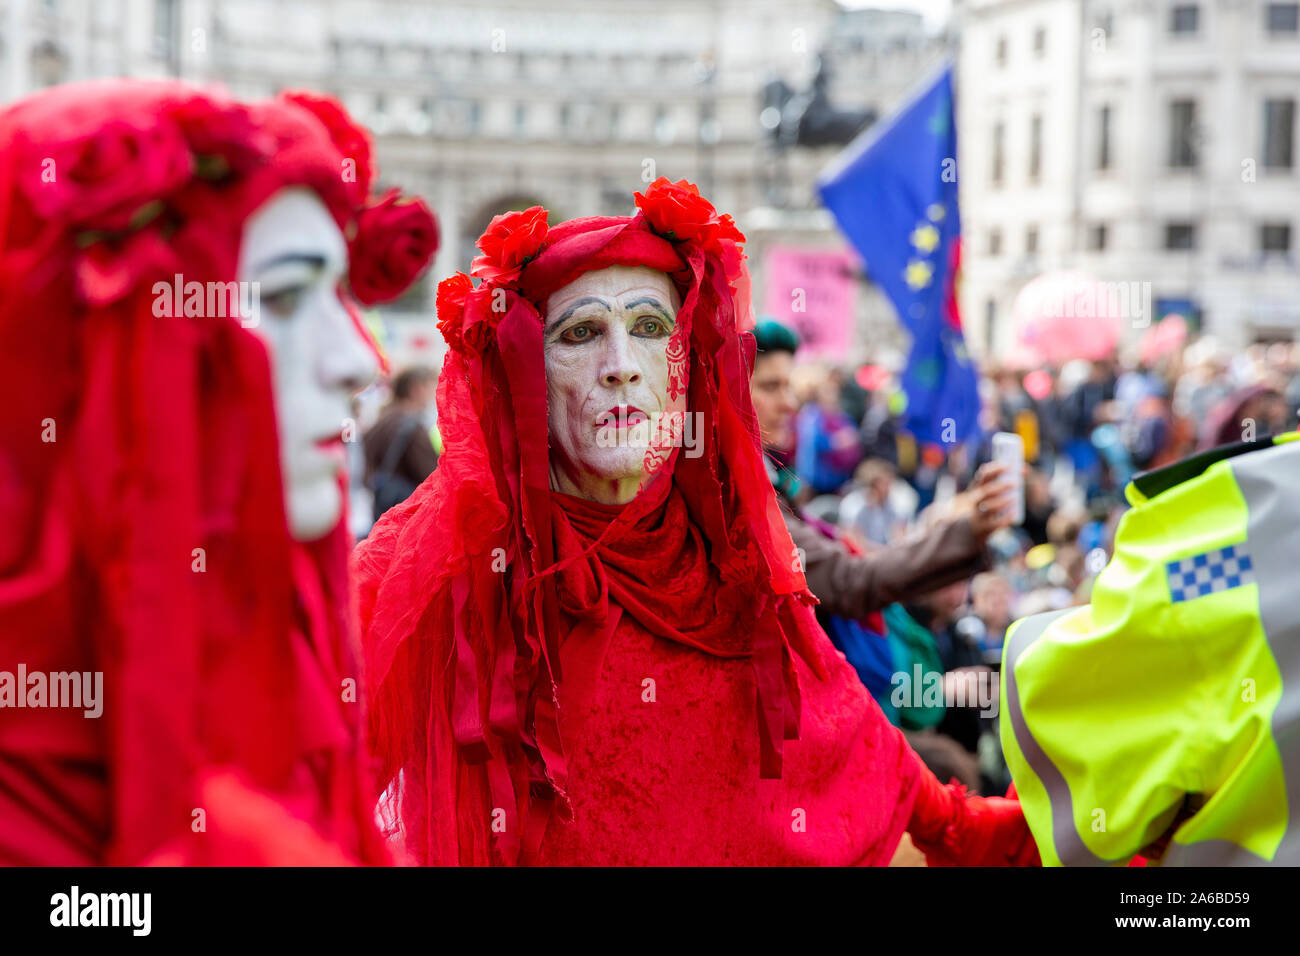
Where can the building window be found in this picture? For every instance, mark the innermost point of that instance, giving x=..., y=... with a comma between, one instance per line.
x=999, y=134
x=521, y=119
x=1180, y=236
x=565, y=117
x=1182, y=134
x=164, y=28
x=1105, y=22
x=1000, y=54
x=1097, y=237
x=474, y=119
x=990, y=319
x=1035, y=148
x=665, y=130
x=1184, y=19
x=1103, y=137
x=995, y=242
x=1283, y=17
x=1275, y=237
x=1031, y=241
x=1040, y=41
x=1279, y=133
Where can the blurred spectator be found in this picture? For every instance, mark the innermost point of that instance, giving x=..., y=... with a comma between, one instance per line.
x=399, y=451
x=1246, y=414
x=866, y=509
x=829, y=447
x=1087, y=427
x=991, y=598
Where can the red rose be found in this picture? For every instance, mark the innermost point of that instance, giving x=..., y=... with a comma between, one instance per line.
x=349, y=139
x=222, y=134
x=509, y=242
x=678, y=212
x=452, y=294
x=466, y=318
x=100, y=181
x=394, y=241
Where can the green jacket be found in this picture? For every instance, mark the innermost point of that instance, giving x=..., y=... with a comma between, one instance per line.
x=915, y=699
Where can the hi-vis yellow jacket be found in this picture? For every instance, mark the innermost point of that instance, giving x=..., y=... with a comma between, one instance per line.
x=1175, y=695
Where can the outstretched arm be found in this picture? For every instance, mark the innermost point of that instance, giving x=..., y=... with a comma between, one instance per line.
x=955, y=828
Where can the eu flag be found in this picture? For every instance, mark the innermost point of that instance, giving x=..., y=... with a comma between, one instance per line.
x=893, y=192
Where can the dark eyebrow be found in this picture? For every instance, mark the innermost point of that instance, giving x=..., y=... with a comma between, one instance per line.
x=310, y=258
x=653, y=302
x=568, y=313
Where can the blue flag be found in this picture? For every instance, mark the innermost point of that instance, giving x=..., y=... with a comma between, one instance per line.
x=893, y=192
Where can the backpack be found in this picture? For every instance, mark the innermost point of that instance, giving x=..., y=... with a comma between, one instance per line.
x=391, y=488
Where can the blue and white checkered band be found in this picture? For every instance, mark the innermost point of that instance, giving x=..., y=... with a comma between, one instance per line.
x=1208, y=573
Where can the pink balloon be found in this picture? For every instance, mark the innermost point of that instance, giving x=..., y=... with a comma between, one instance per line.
x=1163, y=338
x=1068, y=315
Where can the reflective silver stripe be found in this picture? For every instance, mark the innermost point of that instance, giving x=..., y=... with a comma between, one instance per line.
x=1270, y=482
x=1070, y=847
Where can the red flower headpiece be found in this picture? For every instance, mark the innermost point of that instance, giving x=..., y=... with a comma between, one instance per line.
x=679, y=213
x=131, y=198
x=509, y=243
x=675, y=212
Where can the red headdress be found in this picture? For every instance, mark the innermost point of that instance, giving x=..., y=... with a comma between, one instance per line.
x=140, y=485
x=473, y=584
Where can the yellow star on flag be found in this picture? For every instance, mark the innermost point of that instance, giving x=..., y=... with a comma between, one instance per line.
x=918, y=273
x=925, y=238
x=935, y=212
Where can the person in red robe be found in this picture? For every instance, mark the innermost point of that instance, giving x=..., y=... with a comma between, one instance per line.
x=587, y=634
x=146, y=532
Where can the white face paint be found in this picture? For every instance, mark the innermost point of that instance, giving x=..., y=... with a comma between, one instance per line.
x=605, y=341
x=296, y=254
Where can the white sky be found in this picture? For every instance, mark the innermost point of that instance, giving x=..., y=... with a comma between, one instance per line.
x=936, y=12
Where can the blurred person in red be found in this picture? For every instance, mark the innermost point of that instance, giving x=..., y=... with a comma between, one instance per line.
x=179, y=337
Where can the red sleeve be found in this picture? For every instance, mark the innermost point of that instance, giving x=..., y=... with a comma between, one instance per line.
x=955, y=828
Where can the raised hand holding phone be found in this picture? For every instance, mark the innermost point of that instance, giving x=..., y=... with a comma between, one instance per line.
x=1009, y=450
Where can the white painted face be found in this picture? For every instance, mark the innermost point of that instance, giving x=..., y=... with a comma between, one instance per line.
x=605, y=341
x=296, y=254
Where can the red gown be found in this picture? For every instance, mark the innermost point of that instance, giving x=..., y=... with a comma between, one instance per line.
x=667, y=774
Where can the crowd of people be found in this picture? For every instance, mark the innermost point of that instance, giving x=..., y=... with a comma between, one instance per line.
x=848, y=465
x=907, y=546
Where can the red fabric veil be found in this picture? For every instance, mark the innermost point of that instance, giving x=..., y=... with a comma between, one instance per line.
x=471, y=585
x=141, y=496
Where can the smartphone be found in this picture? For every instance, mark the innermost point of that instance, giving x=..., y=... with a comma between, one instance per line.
x=1009, y=449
